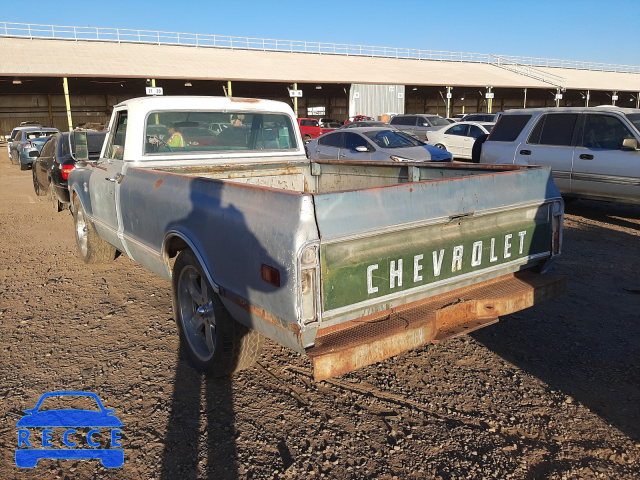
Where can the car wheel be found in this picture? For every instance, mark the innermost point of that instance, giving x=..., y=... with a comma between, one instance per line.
x=36, y=185
x=57, y=206
x=24, y=166
x=441, y=146
x=214, y=341
x=306, y=138
x=91, y=248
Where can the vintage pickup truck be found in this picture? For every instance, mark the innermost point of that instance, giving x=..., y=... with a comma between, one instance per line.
x=348, y=263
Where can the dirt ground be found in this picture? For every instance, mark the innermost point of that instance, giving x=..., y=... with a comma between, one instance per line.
x=550, y=392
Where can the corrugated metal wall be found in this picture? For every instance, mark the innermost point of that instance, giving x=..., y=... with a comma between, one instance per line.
x=375, y=100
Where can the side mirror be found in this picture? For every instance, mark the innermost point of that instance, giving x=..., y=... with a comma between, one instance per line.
x=425, y=125
x=630, y=143
x=362, y=149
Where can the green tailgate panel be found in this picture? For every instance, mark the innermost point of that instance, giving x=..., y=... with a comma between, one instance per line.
x=357, y=270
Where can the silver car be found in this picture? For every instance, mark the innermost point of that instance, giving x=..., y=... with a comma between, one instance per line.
x=374, y=144
x=418, y=124
x=594, y=152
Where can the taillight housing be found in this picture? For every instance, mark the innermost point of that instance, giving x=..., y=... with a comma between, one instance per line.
x=308, y=285
x=66, y=170
x=27, y=145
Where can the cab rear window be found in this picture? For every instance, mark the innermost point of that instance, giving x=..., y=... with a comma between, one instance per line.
x=508, y=128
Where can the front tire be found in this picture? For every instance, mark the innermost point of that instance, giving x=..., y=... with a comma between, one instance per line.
x=91, y=248
x=214, y=341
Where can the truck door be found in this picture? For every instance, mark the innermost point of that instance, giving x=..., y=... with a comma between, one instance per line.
x=551, y=144
x=602, y=167
x=105, y=179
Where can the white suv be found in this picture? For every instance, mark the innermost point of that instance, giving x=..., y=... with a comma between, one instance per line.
x=594, y=152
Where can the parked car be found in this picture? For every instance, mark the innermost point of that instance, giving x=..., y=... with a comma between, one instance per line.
x=418, y=124
x=594, y=152
x=25, y=157
x=329, y=123
x=481, y=117
x=23, y=136
x=309, y=128
x=358, y=118
x=374, y=143
x=14, y=132
x=367, y=123
x=459, y=137
x=52, y=166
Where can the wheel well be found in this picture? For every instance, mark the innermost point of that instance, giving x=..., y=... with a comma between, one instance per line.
x=173, y=247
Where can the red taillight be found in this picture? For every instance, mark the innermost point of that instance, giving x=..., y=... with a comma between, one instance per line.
x=27, y=145
x=66, y=170
x=426, y=139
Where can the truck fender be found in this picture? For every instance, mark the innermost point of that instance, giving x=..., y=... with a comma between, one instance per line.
x=174, y=242
x=85, y=201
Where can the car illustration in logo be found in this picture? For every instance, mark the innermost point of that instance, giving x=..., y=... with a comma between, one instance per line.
x=45, y=421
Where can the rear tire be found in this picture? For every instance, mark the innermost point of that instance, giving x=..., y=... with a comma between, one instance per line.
x=40, y=192
x=57, y=206
x=24, y=166
x=214, y=341
x=91, y=248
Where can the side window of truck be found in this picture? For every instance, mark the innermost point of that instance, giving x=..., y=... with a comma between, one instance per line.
x=117, y=137
x=554, y=129
x=508, y=128
x=604, y=131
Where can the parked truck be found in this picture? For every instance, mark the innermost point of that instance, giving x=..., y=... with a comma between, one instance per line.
x=349, y=263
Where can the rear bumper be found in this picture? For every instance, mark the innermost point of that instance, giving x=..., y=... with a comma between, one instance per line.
x=351, y=345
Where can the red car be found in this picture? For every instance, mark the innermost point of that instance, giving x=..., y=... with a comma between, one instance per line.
x=309, y=128
x=358, y=118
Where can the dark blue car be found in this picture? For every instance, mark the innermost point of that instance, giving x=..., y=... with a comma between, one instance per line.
x=69, y=418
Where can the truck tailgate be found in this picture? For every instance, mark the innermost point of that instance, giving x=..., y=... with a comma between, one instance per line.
x=407, y=244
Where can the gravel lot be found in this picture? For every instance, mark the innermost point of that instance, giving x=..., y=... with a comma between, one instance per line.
x=551, y=392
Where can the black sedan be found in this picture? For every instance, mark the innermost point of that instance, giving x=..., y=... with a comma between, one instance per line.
x=56, y=160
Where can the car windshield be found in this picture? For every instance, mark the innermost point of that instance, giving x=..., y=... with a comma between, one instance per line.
x=32, y=135
x=439, y=121
x=635, y=119
x=391, y=139
x=205, y=131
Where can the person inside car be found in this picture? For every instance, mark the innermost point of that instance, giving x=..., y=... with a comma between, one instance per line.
x=175, y=136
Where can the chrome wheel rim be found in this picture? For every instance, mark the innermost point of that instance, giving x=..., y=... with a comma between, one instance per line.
x=197, y=315
x=81, y=231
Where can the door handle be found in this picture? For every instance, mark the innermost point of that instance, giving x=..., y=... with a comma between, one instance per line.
x=117, y=178
x=586, y=156
x=342, y=155
x=525, y=152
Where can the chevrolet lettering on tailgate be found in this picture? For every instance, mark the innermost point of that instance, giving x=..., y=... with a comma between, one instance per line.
x=422, y=258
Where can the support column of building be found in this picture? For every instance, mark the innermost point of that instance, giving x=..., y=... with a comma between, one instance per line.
x=65, y=85
x=50, y=109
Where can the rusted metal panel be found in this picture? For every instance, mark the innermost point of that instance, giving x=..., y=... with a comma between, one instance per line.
x=346, y=347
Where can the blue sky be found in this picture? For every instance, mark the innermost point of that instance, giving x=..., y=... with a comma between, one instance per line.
x=588, y=30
